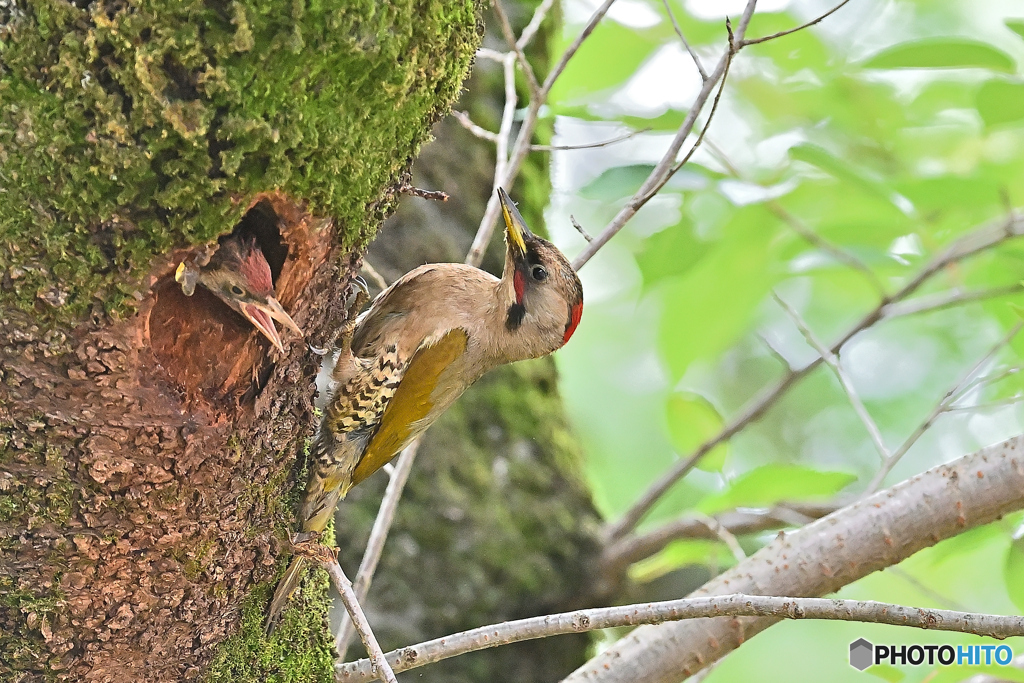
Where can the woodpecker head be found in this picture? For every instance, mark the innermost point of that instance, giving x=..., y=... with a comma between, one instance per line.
x=546, y=297
x=240, y=276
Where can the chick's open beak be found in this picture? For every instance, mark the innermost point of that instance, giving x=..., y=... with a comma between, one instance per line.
x=263, y=317
x=516, y=232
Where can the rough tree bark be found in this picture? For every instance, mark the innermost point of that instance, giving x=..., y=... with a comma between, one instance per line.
x=145, y=437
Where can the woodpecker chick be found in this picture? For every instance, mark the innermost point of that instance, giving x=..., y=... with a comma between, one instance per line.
x=422, y=342
x=239, y=275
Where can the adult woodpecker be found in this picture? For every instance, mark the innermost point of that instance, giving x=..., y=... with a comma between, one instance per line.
x=238, y=273
x=420, y=344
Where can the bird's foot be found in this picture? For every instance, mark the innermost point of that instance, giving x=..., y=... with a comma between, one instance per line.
x=356, y=295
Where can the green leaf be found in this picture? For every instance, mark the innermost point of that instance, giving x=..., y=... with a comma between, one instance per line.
x=679, y=554
x=608, y=58
x=958, y=674
x=670, y=252
x=1000, y=101
x=709, y=307
x=617, y=182
x=770, y=484
x=1015, y=25
x=1013, y=572
x=942, y=53
x=886, y=672
x=843, y=169
x=692, y=420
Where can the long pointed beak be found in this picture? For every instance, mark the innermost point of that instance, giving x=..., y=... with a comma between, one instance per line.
x=278, y=313
x=516, y=232
x=262, y=317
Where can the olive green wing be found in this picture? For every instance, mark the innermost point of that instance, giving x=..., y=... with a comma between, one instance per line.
x=411, y=402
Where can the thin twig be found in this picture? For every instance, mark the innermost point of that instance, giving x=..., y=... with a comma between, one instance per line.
x=944, y=601
x=811, y=237
x=985, y=381
x=493, y=55
x=667, y=166
x=510, y=38
x=833, y=362
x=378, y=534
x=993, y=626
x=776, y=354
x=523, y=141
x=755, y=41
x=580, y=230
x=535, y=22
x=820, y=242
x=508, y=115
x=940, y=407
x=973, y=243
x=679, y=32
x=425, y=194
x=624, y=552
x=941, y=300
x=467, y=123
x=723, y=534
x=588, y=145
x=374, y=275
x=1002, y=403
x=377, y=665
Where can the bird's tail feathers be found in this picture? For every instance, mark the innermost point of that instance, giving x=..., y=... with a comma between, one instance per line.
x=285, y=589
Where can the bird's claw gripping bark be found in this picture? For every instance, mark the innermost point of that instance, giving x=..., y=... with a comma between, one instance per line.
x=356, y=296
x=357, y=293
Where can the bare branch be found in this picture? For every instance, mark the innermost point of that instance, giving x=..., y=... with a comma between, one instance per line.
x=377, y=664
x=722, y=534
x=493, y=55
x=824, y=556
x=580, y=230
x=523, y=141
x=940, y=407
x=977, y=241
x=508, y=115
x=686, y=44
x=618, y=556
x=833, y=362
x=588, y=145
x=510, y=38
x=374, y=275
x=1002, y=403
x=378, y=534
x=755, y=41
x=735, y=605
x=941, y=300
x=467, y=123
x=811, y=237
x=776, y=354
x=667, y=166
x=535, y=22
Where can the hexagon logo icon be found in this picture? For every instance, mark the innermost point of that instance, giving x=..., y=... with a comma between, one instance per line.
x=862, y=654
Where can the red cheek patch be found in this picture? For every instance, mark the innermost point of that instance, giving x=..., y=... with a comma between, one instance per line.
x=519, y=283
x=574, y=319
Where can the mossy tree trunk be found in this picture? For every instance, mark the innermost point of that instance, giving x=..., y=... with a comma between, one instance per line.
x=145, y=437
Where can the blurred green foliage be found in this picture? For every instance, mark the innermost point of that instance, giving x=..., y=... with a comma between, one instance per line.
x=888, y=131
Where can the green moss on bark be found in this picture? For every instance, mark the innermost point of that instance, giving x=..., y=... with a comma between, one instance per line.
x=129, y=128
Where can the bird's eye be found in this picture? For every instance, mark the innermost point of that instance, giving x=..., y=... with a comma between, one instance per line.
x=237, y=291
x=539, y=273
